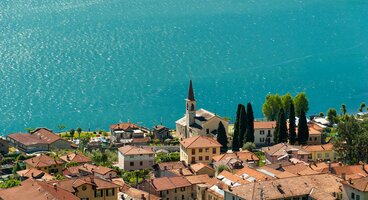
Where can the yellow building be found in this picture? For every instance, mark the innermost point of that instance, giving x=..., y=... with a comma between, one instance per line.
x=323, y=152
x=90, y=188
x=45, y=164
x=199, y=149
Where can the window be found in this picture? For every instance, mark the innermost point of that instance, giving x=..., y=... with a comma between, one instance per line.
x=167, y=191
x=182, y=189
x=208, y=131
x=200, y=158
x=357, y=197
x=193, y=151
x=301, y=156
x=150, y=155
x=310, y=139
x=327, y=155
x=200, y=150
x=131, y=156
x=175, y=190
x=261, y=139
x=319, y=155
x=214, y=150
x=261, y=132
x=131, y=164
x=193, y=159
x=207, y=158
x=140, y=163
x=352, y=195
x=207, y=149
x=110, y=192
x=309, y=156
x=84, y=188
x=98, y=193
x=84, y=198
x=182, y=196
x=315, y=139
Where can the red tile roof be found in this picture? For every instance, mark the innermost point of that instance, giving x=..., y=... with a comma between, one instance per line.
x=75, y=157
x=168, y=183
x=360, y=184
x=33, y=189
x=72, y=184
x=38, y=136
x=242, y=155
x=93, y=168
x=43, y=161
x=200, y=142
x=323, y=147
x=133, y=150
x=124, y=126
x=265, y=125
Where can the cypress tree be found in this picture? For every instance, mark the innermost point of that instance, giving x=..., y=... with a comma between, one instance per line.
x=222, y=137
x=303, y=131
x=281, y=133
x=292, y=133
x=235, y=144
x=242, y=125
x=250, y=124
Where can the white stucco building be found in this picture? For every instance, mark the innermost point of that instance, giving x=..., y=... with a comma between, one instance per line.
x=198, y=122
x=264, y=132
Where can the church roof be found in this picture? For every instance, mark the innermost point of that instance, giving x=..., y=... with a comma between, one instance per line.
x=191, y=92
x=202, y=115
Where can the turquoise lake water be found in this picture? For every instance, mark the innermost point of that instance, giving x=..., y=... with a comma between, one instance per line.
x=95, y=62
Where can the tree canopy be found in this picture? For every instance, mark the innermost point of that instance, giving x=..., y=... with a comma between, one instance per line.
x=271, y=106
x=222, y=137
x=301, y=104
x=249, y=137
x=303, y=131
x=292, y=132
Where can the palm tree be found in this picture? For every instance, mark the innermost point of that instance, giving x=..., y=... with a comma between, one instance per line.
x=72, y=132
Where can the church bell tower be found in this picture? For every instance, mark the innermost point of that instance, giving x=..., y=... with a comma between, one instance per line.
x=190, y=106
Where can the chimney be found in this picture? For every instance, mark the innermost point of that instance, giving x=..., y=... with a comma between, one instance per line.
x=329, y=167
x=55, y=186
x=343, y=176
x=143, y=197
x=350, y=181
x=181, y=171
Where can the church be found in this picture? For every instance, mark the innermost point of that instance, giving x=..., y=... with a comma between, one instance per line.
x=198, y=122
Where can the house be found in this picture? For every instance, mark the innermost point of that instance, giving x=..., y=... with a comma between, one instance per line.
x=41, y=139
x=347, y=172
x=199, y=149
x=322, y=152
x=123, y=133
x=45, y=164
x=163, y=169
x=251, y=175
x=315, y=134
x=168, y=188
x=131, y=193
x=264, y=132
x=98, y=171
x=4, y=146
x=202, y=169
x=282, y=151
x=140, y=141
x=135, y=158
x=89, y=187
x=161, y=132
x=311, y=187
x=198, y=122
x=38, y=190
x=355, y=189
x=34, y=173
x=236, y=160
x=76, y=158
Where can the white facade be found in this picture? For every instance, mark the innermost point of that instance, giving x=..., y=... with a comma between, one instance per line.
x=135, y=162
x=264, y=133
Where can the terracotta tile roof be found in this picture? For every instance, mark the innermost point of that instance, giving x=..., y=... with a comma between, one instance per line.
x=277, y=173
x=232, y=177
x=75, y=157
x=141, y=140
x=93, y=168
x=249, y=172
x=182, y=172
x=197, y=179
x=72, y=184
x=133, y=150
x=71, y=171
x=351, y=171
x=242, y=155
x=300, y=169
x=26, y=139
x=170, y=165
x=36, y=174
x=43, y=161
x=137, y=194
x=124, y=126
x=168, y=183
x=265, y=125
x=46, y=135
x=321, y=166
x=200, y=142
x=325, y=184
x=281, y=149
x=198, y=166
x=323, y=147
x=33, y=189
x=360, y=184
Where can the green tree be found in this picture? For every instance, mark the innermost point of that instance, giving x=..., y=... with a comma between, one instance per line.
x=222, y=137
x=249, y=137
x=16, y=168
x=321, y=114
x=292, y=132
x=343, y=109
x=361, y=108
x=351, y=141
x=222, y=168
x=79, y=130
x=332, y=116
x=242, y=125
x=271, y=106
x=71, y=164
x=281, y=128
x=249, y=146
x=12, y=182
x=72, y=132
x=303, y=131
x=235, y=143
x=301, y=103
x=286, y=101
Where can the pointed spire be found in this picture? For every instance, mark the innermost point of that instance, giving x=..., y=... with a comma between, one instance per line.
x=190, y=92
